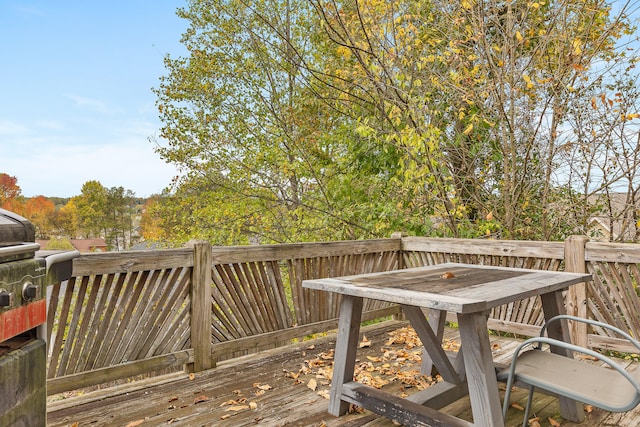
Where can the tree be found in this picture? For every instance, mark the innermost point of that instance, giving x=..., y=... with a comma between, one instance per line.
x=40, y=211
x=241, y=119
x=103, y=212
x=10, y=193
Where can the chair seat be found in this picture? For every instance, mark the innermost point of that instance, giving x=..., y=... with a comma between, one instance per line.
x=585, y=382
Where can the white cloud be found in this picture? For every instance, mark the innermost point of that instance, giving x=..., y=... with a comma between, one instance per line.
x=91, y=104
x=56, y=159
x=8, y=127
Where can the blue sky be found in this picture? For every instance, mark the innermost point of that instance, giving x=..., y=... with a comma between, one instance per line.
x=75, y=92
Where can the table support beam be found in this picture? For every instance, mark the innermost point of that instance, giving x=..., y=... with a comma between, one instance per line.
x=432, y=344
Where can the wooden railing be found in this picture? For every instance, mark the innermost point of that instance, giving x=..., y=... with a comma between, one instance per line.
x=125, y=314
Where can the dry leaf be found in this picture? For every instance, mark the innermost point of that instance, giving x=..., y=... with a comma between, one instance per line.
x=312, y=384
x=262, y=386
x=365, y=342
x=588, y=408
x=237, y=408
x=448, y=275
x=518, y=407
x=192, y=376
x=324, y=393
x=173, y=399
x=134, y=423
x=200, y=399
x=253, y=405
x=553, y=422
x=224, y=417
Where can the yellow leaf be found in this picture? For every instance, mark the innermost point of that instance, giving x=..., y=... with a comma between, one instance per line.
x=519, y=36
x=468, y=130
x=527, y=80
x=577, y=47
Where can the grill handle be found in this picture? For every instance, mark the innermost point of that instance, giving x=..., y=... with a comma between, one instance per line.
x=18, y=249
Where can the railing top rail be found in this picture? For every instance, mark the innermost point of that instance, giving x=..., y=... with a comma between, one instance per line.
x=233, y=254
x=517, y=248
x=612, y=252
x=128, y=261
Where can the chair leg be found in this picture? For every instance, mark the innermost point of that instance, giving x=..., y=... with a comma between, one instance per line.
x=527, y=409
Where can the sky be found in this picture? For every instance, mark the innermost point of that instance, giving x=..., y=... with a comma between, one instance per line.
x=76, y=100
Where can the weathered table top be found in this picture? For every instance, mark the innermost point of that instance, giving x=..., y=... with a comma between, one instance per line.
x=459, y=288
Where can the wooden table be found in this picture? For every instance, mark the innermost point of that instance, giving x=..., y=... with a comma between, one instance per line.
x=470, y=291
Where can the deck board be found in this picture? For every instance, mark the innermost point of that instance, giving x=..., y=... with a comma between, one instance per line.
x=206, y=400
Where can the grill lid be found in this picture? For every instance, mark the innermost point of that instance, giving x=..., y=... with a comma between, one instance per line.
x=14, y=229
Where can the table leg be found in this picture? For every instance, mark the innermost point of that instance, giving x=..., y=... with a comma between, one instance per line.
x=553, y=305
x=344, y=357
x=481, y=377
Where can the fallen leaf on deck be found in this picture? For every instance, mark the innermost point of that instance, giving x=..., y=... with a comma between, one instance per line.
x=448, y=275
x=262, y=386
x=365, y=342
x=553, y=422
x=586, y=357
x=173, y=399
x=518, y=407
x=588, y=408
x=237, y=408
x=192, y=376
x=200, y=399
x=324, y=393
x=253, y=405
x=134, y=423
x=312, y=384
x=224, y=417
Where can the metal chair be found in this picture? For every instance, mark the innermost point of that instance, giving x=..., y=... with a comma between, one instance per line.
x=608, y=387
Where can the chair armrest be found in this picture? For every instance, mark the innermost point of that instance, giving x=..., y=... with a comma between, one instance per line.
x=632, y=340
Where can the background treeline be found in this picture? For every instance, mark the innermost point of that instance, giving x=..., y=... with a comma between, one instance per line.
x=113, y=214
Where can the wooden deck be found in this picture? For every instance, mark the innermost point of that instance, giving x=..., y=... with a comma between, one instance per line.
x=289, y=387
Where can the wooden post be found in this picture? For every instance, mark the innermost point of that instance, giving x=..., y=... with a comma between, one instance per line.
x=201, y=307
x=576, y=299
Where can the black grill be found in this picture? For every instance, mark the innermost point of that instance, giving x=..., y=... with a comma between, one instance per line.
x=25, y=274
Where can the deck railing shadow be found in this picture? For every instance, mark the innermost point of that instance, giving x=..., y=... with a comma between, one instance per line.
x=125, y=314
